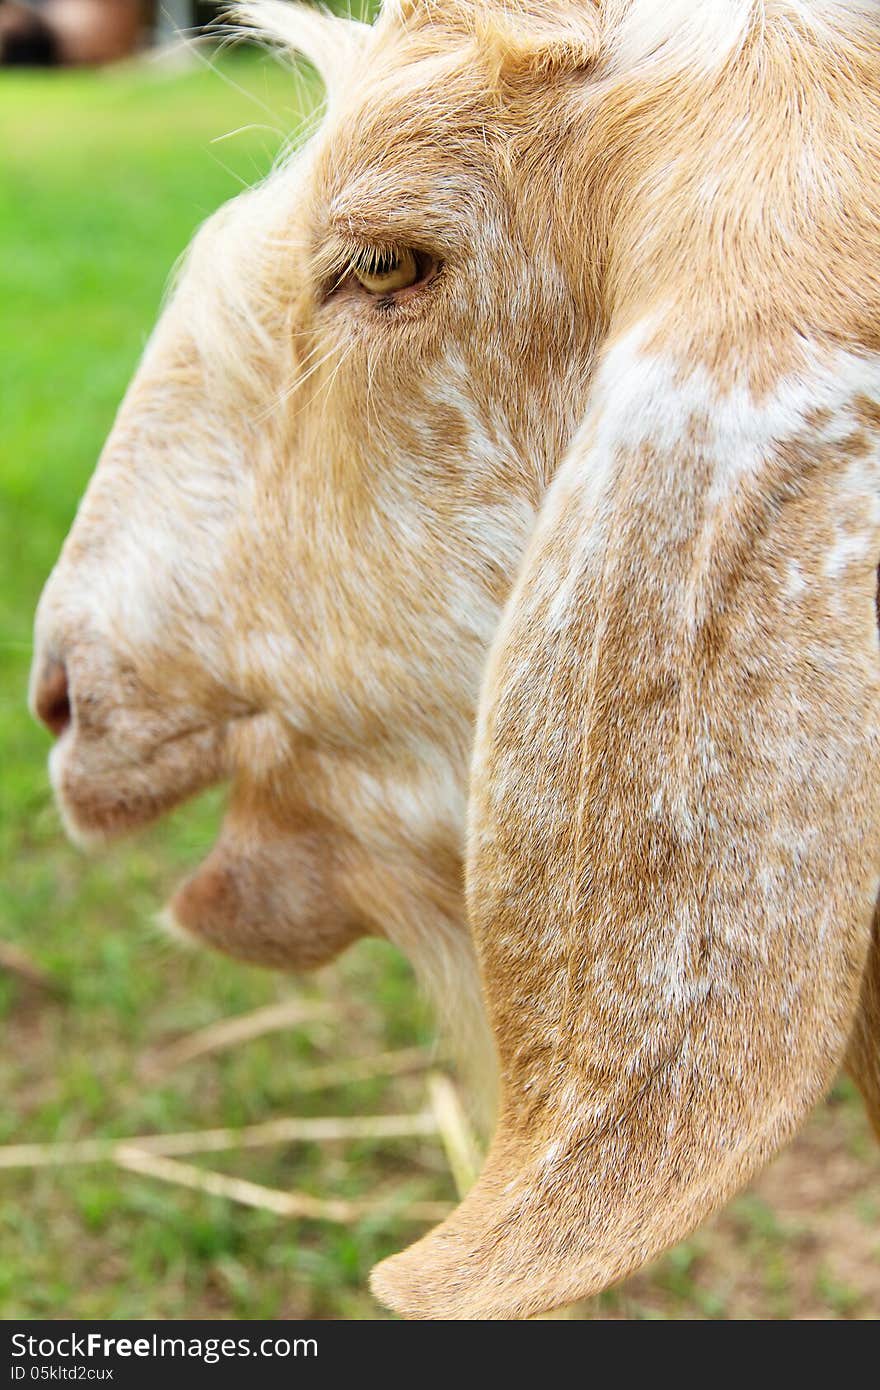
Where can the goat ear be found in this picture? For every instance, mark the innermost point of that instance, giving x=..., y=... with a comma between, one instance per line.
x=675, y=824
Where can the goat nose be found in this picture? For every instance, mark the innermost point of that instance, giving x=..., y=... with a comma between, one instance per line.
x=52, y=698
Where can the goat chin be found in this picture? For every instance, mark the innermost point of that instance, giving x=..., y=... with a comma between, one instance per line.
x=279, y=899
x=266, y=899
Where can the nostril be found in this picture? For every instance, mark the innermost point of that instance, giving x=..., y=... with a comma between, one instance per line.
x=52, y=702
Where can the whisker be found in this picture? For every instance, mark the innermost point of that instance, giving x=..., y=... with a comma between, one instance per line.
x=328, y=384
x=345, y=349
x=243, y=183
x=212, y=66
x=246, y=130
x=285, y=394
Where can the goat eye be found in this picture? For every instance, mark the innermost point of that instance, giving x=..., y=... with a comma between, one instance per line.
x=383, y=272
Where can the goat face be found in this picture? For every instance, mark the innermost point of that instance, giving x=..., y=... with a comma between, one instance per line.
x=612, y=264
x=292, y=557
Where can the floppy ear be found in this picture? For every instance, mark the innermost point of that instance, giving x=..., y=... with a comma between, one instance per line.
x=675, y=824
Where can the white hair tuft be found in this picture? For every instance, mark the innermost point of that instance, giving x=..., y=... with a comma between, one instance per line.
x=329, y=42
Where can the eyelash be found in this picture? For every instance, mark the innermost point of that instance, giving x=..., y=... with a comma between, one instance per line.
x=373, y=260
x=379, y=260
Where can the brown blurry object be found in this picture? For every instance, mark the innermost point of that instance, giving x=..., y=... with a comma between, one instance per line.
x=25, y=37
x=96, y=31
x=71, y=32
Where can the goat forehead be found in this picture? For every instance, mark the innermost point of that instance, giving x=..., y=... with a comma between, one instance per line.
x=398, y=155
x=416, y=118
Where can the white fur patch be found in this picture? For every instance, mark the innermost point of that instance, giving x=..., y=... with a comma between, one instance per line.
x=642, y=398
x=645, y=400
x=330, y=43
x=836, y=10
x=690, y=33
x=704, y=34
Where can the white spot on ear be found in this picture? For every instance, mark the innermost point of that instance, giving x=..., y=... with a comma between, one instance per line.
x=795, y=582
x=643, y=398
x=847, y=551
x=551, y=1153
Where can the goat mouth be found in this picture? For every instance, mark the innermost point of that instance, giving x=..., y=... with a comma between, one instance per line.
x=103, y=792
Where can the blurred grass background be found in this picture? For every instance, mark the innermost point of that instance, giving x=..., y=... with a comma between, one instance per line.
x=103, y=178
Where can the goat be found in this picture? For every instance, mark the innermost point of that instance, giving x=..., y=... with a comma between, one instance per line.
x=496, y=507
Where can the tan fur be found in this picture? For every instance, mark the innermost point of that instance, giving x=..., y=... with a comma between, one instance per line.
x=863, y=1057
x=656, y=331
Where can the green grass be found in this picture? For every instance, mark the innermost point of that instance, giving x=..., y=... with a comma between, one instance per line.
x=103, y=179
